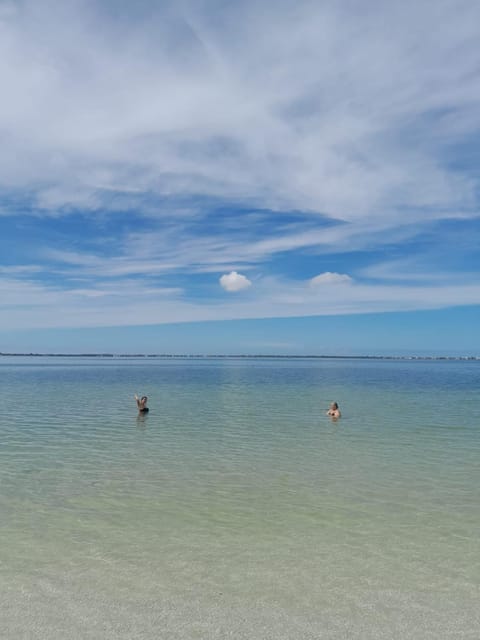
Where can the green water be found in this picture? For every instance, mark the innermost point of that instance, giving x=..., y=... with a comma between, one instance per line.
x=236, y=508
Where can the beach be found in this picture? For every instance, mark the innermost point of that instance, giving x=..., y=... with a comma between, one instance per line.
x=236, y=507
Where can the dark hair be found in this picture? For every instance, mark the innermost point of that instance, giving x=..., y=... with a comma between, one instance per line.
x=335, y=404
x=144, y=398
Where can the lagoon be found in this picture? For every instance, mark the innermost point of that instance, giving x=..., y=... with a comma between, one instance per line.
x=236, y=508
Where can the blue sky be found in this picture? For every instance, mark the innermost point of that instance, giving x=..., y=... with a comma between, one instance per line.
x=288, y=177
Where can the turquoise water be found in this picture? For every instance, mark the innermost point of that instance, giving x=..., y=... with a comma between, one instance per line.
x=236, y=508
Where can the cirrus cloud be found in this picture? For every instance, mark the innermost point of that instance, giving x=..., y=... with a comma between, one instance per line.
x=188, y=139
x=291, y=106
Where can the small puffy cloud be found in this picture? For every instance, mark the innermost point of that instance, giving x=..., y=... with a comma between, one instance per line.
x=234, y=281
x=330, y=278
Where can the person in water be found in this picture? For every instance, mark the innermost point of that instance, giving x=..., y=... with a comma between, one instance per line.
x=142, y=404
x=334, y=411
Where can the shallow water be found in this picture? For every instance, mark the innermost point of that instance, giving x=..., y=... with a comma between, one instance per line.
x=236, y=508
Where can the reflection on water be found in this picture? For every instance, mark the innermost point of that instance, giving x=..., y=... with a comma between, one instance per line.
x=142, y=420
x=242, y=510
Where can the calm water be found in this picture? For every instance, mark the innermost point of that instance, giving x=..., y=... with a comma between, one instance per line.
x=236, y=508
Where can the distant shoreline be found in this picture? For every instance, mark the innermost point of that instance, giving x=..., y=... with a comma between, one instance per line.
x=233, y=356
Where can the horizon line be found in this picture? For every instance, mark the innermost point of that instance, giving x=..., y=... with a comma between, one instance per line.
x=239, y=355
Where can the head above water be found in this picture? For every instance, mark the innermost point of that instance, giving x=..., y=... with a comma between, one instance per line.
x=334, y=405
x=143, y=398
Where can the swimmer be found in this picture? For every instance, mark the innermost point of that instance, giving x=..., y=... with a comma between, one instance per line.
x=334, y=411
x=142, y=404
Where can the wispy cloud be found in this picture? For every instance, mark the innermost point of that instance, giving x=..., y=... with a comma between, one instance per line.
x=26, y=304
x=305, y=106
x=207, y=139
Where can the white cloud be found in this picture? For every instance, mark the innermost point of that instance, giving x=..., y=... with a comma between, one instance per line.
x=234, y=281
x=28, y=305
x=296, y=106
x=418, y=270
x=329, y=278
x=311, y=106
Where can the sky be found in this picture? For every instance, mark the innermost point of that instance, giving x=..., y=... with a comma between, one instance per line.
x=297, y=177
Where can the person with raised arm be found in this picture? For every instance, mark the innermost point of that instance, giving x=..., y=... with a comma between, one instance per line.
x=142, y=404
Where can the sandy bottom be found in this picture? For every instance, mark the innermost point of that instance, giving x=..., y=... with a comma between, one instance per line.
x=53, y=606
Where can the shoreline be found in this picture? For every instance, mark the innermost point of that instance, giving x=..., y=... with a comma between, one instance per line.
x=236, y=356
